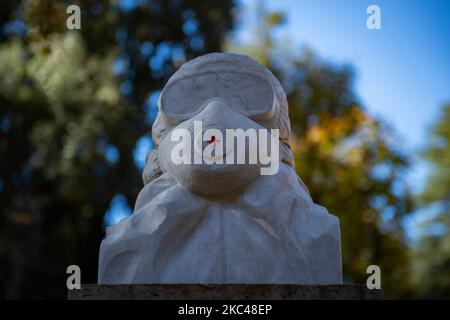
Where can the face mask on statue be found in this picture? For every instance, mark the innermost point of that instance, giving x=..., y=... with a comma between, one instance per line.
x=222, y=123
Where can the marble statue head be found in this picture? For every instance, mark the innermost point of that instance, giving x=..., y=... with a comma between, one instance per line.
x=221, y=91
x=210, y=212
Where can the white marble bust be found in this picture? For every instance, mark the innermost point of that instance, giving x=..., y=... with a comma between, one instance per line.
x=222, y=222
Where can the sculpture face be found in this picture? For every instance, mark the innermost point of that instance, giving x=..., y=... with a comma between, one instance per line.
x=212, y=104
x=206, y=108
x=213, y=213
x=211, y=174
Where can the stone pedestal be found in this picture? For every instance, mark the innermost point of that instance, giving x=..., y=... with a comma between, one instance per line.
x=224, y=292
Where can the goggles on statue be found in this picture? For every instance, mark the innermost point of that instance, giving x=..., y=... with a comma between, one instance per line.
x=247, y=94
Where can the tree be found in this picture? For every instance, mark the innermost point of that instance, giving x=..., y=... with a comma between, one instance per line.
x=73, y=106
x=347, y=158
x=433, y=251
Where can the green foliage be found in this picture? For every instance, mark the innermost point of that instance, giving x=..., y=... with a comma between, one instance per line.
x=44, y=17
x=63, y=107
x=438, y=153
x=433, y=251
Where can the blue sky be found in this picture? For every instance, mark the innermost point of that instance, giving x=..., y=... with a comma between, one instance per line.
x=403, y=70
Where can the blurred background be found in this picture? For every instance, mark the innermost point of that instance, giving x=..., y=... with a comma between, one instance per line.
x=370, y=112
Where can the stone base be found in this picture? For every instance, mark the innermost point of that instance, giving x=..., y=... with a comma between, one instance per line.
x=223, y=292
